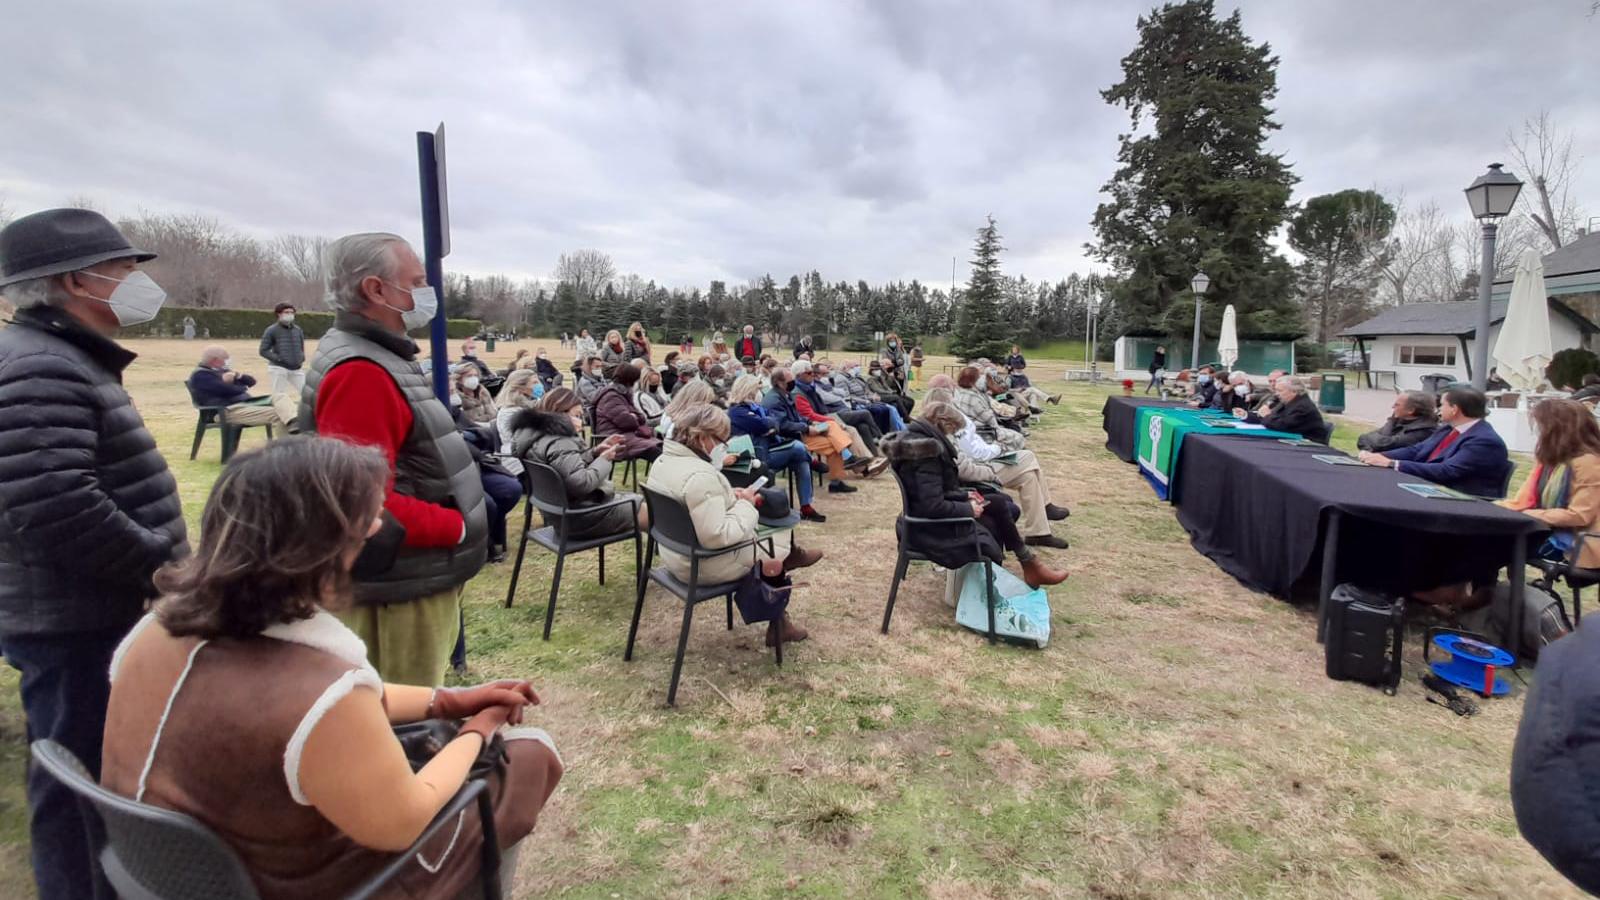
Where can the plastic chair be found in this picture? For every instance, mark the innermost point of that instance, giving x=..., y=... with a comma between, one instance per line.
x=672, y=527
x=904, y=524
x=215, y=417
x=548, y=492
x=149, y=853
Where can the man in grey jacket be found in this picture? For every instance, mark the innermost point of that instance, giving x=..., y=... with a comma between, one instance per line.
x=283, y=346
x=88, y=508
x=1413, y=422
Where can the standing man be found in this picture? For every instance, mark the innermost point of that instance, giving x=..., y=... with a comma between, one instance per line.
x=1158, y=367
x=88, y=508
x=749, y=346
x=366, y=387
x=283, y=346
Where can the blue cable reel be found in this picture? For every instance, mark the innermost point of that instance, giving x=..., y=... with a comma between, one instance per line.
x=1471, y=662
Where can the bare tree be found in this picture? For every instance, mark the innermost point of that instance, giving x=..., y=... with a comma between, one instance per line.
x=1419, y=237
x=1545, y=157
x=588, y=271
x=302, y=254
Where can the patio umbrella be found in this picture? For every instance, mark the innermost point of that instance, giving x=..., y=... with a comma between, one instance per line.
x=1523, y=348
x=1228, y=341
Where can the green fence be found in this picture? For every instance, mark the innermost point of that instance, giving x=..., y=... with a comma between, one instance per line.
x=1255, y=356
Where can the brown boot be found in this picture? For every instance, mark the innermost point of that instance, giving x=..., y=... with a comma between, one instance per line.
x=790, y=631
x=1037, y=574
x=800, y=557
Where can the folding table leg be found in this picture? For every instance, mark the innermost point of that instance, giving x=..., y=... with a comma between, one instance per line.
x=1330, y=573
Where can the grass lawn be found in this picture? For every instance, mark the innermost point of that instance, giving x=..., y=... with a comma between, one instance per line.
x=1177, y=739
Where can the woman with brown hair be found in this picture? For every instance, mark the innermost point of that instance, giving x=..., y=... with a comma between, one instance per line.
x=549, y=433
x=614, y=413
x=242, y=702
x=1563, y=490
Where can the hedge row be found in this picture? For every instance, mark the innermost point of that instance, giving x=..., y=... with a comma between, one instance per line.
x=250, y=323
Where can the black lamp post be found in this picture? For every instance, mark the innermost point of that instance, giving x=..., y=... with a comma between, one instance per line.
x=1491, y=198
x=1198, y=285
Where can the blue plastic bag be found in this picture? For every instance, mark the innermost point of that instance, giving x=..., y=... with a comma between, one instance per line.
x=1021, y=613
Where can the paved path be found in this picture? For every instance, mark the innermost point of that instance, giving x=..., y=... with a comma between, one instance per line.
x=1368, y=405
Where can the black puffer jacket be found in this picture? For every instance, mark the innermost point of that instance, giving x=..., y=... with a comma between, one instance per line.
x=925, y=464
x=550, y=438
x=88, y=508
x=1555, y=763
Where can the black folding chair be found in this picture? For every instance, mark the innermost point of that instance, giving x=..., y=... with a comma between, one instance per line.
x=672, y=528
x=210, y=418
x=547, y=492
x=1569, y=571
x=149, y=853
x=903, y=527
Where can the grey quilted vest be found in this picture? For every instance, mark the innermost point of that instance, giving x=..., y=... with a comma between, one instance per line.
x=433, y=464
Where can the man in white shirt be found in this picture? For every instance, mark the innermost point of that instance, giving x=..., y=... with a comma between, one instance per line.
x=1018, y=472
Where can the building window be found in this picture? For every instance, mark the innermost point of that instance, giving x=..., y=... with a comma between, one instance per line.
x=1425, y=355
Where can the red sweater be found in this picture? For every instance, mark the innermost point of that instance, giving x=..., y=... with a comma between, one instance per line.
x=802, y=405
x=359, y=402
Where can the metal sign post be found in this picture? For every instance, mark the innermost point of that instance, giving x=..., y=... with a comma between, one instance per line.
x=435, y=247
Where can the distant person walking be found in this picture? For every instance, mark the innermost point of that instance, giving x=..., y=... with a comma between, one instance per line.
x=89, y=509
x=1158, y=368
x=365, y=387
x=283, y=346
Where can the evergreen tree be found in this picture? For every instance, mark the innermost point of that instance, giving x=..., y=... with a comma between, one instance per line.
x=568, y=314
x=981, y=332
x=1198, y=192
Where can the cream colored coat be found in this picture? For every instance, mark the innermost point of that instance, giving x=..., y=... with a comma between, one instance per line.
x=720, y=518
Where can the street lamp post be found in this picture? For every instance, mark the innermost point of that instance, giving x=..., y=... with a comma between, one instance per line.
x=1491, y=198
x=1198, y=285
x=1092, y=336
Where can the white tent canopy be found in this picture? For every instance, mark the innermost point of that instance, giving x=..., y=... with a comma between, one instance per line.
x=1228, y=341
x=1523, y=349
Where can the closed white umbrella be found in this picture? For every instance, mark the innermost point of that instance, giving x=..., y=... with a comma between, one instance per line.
x=1228, y=341
x=1523, y=349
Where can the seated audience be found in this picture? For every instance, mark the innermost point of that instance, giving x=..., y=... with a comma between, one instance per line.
x=884, y=381
x=549, y=375
x=669, y=372
x=821, y=436
x=469, y=358
x=974, y=403
x=1018, y=383
x=1465, y=454
x=1235, y=393
x=1017, y=471
x=817, y=385
x=240, y=701
x=690, y=393
x=477, y=405
x=521, y=360
x=648, y=397
x=806, y=402
x=549, y=433
x=925, y=463
x=521, y=391
x=723, y=516
x=848, y=381
x=638, y=343
x=1563, y=490
x=777, y=450
x=591, y=381
x=213, y=383
x=1205, y=389
x=1265, y=399
x=1296, y=412
x=1412, y=423
x=613, y=353
x=614, y=413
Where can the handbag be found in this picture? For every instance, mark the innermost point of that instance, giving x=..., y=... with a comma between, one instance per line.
x=423, y=740
x=760, y=599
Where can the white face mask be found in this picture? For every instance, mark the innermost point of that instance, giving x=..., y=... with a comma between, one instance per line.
x=470, y=384
x=286, y=318
x=424, y=304
x=1241, y=390
x=135, y=300
x=718, y=453
x=470, y=354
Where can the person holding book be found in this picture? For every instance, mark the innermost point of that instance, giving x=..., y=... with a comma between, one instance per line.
x=1017, y=471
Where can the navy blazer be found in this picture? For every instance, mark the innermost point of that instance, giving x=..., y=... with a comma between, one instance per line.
x=207, y=388
x=1476, y=463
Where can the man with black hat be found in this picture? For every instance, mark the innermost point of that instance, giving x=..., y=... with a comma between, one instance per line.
x=88, y=508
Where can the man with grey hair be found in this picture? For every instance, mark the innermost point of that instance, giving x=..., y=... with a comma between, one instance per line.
x=215, y=383
x=1413, y=422
x=1296, y=413
x=88, y=508
x=365, y=386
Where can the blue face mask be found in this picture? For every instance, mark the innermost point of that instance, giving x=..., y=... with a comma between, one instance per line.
x=1204, y=378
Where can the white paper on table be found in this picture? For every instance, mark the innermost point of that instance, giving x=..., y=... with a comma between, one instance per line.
x=1251, y=426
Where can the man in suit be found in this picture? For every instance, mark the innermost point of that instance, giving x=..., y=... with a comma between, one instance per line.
x=1466, y=455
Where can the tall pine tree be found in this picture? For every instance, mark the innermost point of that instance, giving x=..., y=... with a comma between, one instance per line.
x=1197, y=191
x=982, y=331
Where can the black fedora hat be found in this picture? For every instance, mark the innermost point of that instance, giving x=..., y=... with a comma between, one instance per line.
x=60, y=240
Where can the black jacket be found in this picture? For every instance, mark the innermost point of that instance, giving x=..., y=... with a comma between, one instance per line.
x=88, y=508
x=1298, y=416
x=283, y=345
x=1396, y=434
x=925, y=464
x=206, y=387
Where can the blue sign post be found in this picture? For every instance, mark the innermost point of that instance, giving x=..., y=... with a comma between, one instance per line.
x=435, y=247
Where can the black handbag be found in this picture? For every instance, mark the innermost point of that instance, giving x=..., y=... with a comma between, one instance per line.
x=423, y=740
x=762, y=599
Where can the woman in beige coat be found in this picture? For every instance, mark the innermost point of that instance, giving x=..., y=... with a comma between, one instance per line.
x=690, y=470
x=1563, y=490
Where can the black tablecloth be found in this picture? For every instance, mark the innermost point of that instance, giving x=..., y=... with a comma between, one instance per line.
x=1256, y=508
x=1121, y=415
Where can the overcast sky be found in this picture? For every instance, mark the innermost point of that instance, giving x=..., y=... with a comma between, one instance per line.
x=701, y=140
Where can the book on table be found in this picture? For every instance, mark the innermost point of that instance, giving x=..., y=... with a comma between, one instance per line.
x=1434, y=491
x=1335, y=459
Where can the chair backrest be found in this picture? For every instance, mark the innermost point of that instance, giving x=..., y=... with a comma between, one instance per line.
x=146, y=851
x=546, y=489
x=670, y=522
x=905, y=498
x=193, y=400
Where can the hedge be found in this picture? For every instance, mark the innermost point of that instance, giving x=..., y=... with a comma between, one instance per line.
x=250, y=323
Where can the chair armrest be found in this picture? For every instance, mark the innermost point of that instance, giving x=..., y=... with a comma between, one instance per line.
x=468, y=794
x=578, y=512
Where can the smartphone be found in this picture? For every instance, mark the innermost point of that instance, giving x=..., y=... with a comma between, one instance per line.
x=759, y=483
